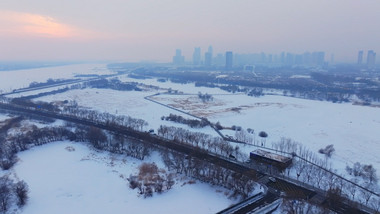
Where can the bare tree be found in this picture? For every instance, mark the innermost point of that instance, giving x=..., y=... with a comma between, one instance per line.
x=5, y=194
x=21, y=189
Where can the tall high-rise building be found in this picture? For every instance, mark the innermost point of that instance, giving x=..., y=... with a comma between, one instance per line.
x=283, y=58
x=197, y=56
x=371, y=59
x=318, y=58
x=360, y=57
x=289, y=59
x=178, y=59
x=220, y=59
x=208, y=57
x=210, y=50
x=229, y=58
x=307, y=59
x=270, y=59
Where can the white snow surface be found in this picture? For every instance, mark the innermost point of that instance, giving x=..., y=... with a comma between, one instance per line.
x=131, y=103
x=3, y=117
x=87, y=181
x=185, y=88
x=352, y=129
x=10, y=80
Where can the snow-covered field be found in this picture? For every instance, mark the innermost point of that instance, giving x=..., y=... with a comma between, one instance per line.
x=185, y=88
x=354, y=130
x=130, y=103
x=10, y=80
x=87, y=181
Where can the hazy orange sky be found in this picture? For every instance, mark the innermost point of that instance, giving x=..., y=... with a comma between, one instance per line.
x=133, y=30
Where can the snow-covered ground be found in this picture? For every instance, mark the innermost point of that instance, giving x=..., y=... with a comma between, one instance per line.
x=3, y=117
x=354, y=130
x=185, y=88
x=131, y=103
x=10, y=80
x=86, y=181
x=37, y=91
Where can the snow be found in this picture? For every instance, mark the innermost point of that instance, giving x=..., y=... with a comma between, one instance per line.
x=37, y=91
x=10, y=80
x=185, y=88
x=87, y=181
x=352, y=129
x=3, y=117
x=131, y=103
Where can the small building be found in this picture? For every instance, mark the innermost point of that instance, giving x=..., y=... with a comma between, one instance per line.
x=279, y=161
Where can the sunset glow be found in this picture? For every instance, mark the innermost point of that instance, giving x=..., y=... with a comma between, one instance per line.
x=27, y=24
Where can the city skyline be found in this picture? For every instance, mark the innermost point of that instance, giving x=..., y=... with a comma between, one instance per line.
x=316, y=58
x=151, y=30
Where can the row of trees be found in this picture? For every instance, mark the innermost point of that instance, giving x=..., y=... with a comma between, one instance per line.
x=200, y=140
x=193, y=123
x=103, y=117
x=239, y=184
x=117, y=143
x=366, y=172
x=309, y=168
x=325, y=180
x=114, y=84
x=49, y=82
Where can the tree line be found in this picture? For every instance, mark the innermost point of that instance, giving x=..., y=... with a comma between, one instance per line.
x=193, y=123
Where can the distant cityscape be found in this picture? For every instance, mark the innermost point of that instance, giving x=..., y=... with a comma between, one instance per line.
x=230, y=59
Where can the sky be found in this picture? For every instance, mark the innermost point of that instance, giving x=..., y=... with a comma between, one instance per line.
x=151, y=30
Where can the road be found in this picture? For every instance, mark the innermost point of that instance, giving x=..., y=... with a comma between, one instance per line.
x=47, y=86
x=253, y=203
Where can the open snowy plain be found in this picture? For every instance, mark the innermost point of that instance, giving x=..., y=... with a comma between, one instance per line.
x=66, y=177
x=352, y=129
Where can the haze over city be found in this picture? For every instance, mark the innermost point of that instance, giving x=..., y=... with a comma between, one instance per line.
x=152, y=30
x=189, y=106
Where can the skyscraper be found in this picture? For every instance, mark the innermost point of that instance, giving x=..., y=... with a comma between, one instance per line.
x=289, y=59
x=220, y=59
x=208, y=57
x=210, y=50
x=318, y=58
x=178, y=59
x=360, y=57
x=371, y=59
x=229, y=57
x=197, y=56
x=282, y=58
x=307, y=59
